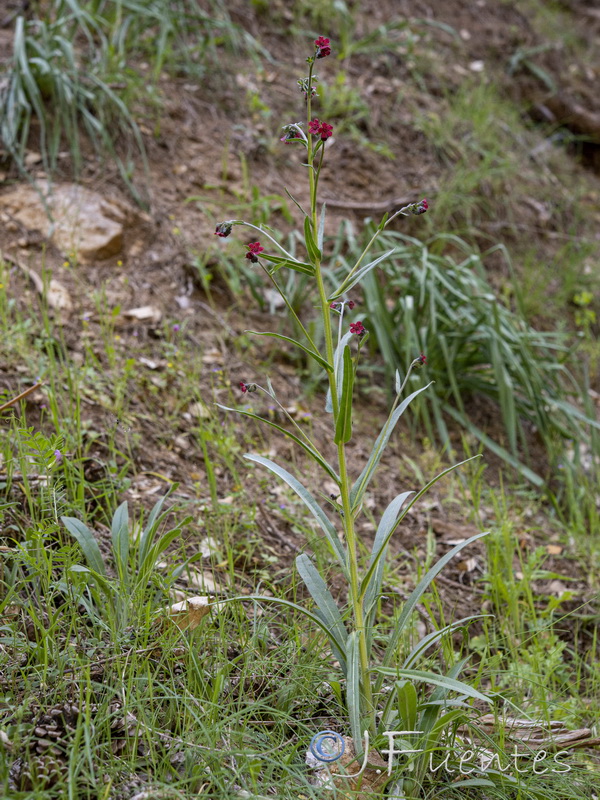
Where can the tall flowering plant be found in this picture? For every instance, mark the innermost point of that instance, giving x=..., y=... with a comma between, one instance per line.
x=372, y=699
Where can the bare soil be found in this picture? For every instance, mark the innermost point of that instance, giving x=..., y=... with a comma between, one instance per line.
x=205, y=137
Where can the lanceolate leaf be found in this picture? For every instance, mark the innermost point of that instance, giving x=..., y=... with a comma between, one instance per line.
x=359, y=275
x=353, y=687
x=337, y=367
x=311, y=452
x=311, y=246
x=416, y=595
x=343, y=424
x=87, y=542
x=328, y=610
x=371, y=583
x=321, y=227
x=380, y=444
x=298, y=266
x=311, y=504
x=451, y=684
x=318, y=358
x=120, y=540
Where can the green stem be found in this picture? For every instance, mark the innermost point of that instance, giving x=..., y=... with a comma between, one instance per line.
x=355, y=599
x=348, y=518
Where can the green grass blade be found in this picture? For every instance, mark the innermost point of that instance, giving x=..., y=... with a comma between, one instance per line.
x=432, y=638
x=527, y=473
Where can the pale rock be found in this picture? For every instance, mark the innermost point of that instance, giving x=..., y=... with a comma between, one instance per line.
x=83, y=222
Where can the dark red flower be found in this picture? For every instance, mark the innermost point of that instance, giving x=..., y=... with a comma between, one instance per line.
x=322, y=47
x=350, y=304
x=254, y=249
x=223, y=229
x=322, y=128
x=326, y=131
x=422, y=359
x=358, y=328
x=420, y=208
x=243, y=387
x=247, y=387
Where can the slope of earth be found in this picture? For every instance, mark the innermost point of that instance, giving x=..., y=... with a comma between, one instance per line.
x=144, y=342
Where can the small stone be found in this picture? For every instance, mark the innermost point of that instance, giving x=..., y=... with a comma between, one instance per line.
x=84, y=222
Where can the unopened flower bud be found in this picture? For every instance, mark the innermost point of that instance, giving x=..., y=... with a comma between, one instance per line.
x=419, y=208
x=223, y=229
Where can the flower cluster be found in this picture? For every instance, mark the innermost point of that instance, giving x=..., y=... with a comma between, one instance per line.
x=254, y=249
x=320, y=128
x=419, y=208
x=292, y=132
x=358, y=328
x=223, y=229
x=338, y=305
x=247, y=387
x=322, y=47
x=303, y=84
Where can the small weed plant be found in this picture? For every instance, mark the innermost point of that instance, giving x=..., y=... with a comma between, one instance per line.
x=380, y=673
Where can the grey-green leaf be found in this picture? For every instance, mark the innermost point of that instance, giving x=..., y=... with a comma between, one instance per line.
x=120, y=539
x=371, y=584
x=328, y=609
x=421, y=676
x=417, y=593
x=310, y=502
x=310, y=450
x=87, y=542
x=347, y=284
x=312, y=353
x=365, y=476
x=353, y=687
x=343, y=424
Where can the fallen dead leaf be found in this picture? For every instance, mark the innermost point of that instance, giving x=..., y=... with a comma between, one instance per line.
x=58, y=297
x=213, y=357
x=467, y=565
x=199, y=410
x=188, y=613
x=144, y=313
x=554, y=549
